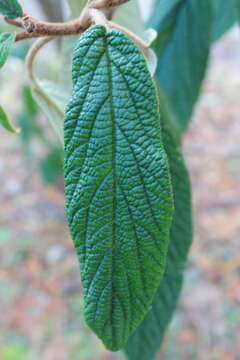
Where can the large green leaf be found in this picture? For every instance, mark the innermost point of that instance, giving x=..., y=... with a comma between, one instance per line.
x=119, y=199
x=146, y=341
x=6, y=43
x=225, y=16
x=163, y=20
x=184, y=28
x=11, y=8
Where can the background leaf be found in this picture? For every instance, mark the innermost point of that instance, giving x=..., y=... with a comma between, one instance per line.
x=51, y=166
x=119, y=216
x=11, y=8
x=225, y=15
x=146, y=341
x=6, y=43
x=4, y=121
x=27, y=118
x=182, y=64
x=237, y=9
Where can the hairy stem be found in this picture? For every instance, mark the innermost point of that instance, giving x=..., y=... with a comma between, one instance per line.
x=95, y=12
x=36, y=28
x=13, y=22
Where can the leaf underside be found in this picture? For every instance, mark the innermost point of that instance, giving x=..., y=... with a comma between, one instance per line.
x=11, y=8
x=6, y=43
x=118, y=192
x=146, y=341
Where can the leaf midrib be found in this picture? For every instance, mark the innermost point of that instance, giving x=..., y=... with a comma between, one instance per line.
x=114, y=184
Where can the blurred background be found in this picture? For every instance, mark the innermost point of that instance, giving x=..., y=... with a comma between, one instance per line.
x=41, y=295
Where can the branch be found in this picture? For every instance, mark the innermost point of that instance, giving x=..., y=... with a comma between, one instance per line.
x=36, y=28
x=13, y=22
x=95, y=12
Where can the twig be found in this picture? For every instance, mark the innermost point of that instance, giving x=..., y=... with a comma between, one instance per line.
x=94, y=12
x=32, y=24
x=13, y=22
x=36, y=28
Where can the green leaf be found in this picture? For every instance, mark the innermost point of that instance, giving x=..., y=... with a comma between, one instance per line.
x=224, y=17
x=6, y=43
x=163, y=20
x=184, y=37
x=27, y=118
x=11, y=8
x=117, y=185
x=146, y=341
x=4, y=121
x=30, y=105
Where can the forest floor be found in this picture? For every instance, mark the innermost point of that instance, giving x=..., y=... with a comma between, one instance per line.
x=41, y=297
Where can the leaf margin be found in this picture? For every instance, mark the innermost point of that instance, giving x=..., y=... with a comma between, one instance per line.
x=6, y=42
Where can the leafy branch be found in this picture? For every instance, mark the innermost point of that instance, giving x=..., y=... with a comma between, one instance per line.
x=96, y=12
